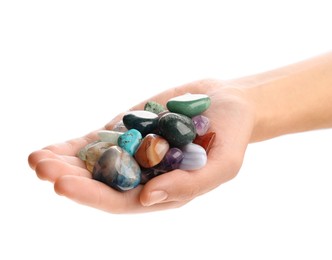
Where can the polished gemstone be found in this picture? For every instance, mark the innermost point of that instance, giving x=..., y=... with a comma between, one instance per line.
x=120, y=127
x=130, y=141
x=151, y=150
x=118, y=169
x=177, y=129
x=154, y=107
x=189, y=104
x=206, y=141
x=149, y=173
x=202, y=124
x=195, y=157
x=94, y=152
x=144, y=121
x=82, y=152
x=110, y=136
x=170, y=162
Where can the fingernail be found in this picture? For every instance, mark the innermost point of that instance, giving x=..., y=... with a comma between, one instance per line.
x=156, y=197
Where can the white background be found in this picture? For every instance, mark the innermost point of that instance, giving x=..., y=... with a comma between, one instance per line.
x=67, y=67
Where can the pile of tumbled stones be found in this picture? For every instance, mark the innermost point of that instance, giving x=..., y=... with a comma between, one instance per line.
x=150, y=142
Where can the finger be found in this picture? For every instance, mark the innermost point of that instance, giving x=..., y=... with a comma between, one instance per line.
x=178, y=185
x=52, y=169
x=37, y=156
x=224, y=161
x=71, y=147
x=98, y=195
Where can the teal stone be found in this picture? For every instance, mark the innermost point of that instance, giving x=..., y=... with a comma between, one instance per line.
x=154, y=107
x=130, y=140
x=177, y=129
x=189, y=104
x=144, y=121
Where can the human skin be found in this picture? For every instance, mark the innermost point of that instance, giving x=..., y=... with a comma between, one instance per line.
x=291, y=99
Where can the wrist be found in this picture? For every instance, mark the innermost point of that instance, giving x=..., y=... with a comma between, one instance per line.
x=291, y=99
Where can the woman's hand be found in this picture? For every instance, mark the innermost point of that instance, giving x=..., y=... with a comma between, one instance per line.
x=231, y=118
x=291, y=99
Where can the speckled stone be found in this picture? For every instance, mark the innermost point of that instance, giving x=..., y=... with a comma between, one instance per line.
x=206, y=141
x=195, y=157
x=189, y=104
x=202, y=124
x=130, y=141
x=154, y=107
x=94, y=152
x=144, y=121
x=118, y=169
x=151, y=150
x=110, y=136
x=177, y=129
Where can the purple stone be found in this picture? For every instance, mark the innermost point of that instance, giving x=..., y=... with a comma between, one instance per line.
x=149, y=173
x=170, y=162
x=202, y=124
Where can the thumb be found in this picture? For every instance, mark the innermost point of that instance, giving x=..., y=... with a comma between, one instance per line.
x=176, y=185
x=183, y=186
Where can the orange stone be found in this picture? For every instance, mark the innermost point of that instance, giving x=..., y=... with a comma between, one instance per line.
x=206, y=141
x=151, y=150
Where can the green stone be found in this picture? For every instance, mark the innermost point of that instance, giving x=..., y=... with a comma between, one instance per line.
x=154, y=107
x=177, y=129
x=189, y=104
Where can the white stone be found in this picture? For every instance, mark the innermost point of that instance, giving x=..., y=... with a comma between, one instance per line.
x=195, y=157
x=109, y=136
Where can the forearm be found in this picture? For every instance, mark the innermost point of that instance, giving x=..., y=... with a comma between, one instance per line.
x=292, y=99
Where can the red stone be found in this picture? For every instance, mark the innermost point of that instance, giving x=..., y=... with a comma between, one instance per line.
x=206, y=141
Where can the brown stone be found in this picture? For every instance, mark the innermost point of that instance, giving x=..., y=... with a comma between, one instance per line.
x=151, y=150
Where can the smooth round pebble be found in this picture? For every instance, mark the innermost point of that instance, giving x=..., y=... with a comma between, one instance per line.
x=189, y=104
x=177, y=129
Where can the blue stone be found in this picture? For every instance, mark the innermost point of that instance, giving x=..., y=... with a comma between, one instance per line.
x=118, y=169
x=130, y=140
